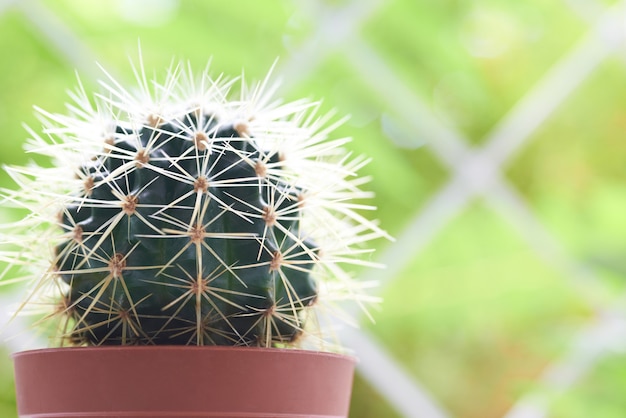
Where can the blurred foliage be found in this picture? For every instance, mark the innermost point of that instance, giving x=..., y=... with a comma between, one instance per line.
x=7, y=393
x=479, y=313
x=597, y=395
x=376, y=405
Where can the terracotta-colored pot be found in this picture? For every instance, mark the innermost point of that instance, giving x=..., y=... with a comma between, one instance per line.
x=173, y=381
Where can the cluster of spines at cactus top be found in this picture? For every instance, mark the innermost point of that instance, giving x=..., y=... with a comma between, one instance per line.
x=176, y=214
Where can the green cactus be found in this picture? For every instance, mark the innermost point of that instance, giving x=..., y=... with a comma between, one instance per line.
x=174, y=215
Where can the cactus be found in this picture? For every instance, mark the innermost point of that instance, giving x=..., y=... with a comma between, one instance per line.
x=180, y=213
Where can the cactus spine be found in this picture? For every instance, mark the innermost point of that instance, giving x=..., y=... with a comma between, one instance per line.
x=176, y=214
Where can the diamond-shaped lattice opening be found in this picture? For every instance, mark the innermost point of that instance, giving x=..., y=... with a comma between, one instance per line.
x=478, y=315
x=572, y=173
x=600, y=394
x=41, y=75
x=367, y=402
x=406, y=173
x=7, y=392
x=472, y=61
x=246, y=37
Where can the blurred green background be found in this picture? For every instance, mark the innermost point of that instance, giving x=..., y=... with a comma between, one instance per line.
x=505, y=288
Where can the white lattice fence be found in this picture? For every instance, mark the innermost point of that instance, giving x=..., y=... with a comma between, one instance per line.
x=475, y=171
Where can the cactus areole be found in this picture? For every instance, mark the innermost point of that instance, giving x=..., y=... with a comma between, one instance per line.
x=181, y=213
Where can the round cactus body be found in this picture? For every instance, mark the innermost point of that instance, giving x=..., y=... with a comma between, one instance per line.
x=173, y=215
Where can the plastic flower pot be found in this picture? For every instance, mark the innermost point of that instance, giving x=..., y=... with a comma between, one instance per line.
x=182, y=381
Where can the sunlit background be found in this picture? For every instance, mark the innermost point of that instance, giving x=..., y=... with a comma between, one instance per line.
x=497, y=131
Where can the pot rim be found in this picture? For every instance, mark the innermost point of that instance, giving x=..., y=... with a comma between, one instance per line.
x=216, y=348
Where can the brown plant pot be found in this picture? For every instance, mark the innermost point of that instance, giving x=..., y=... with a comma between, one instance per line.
x=173, y=381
